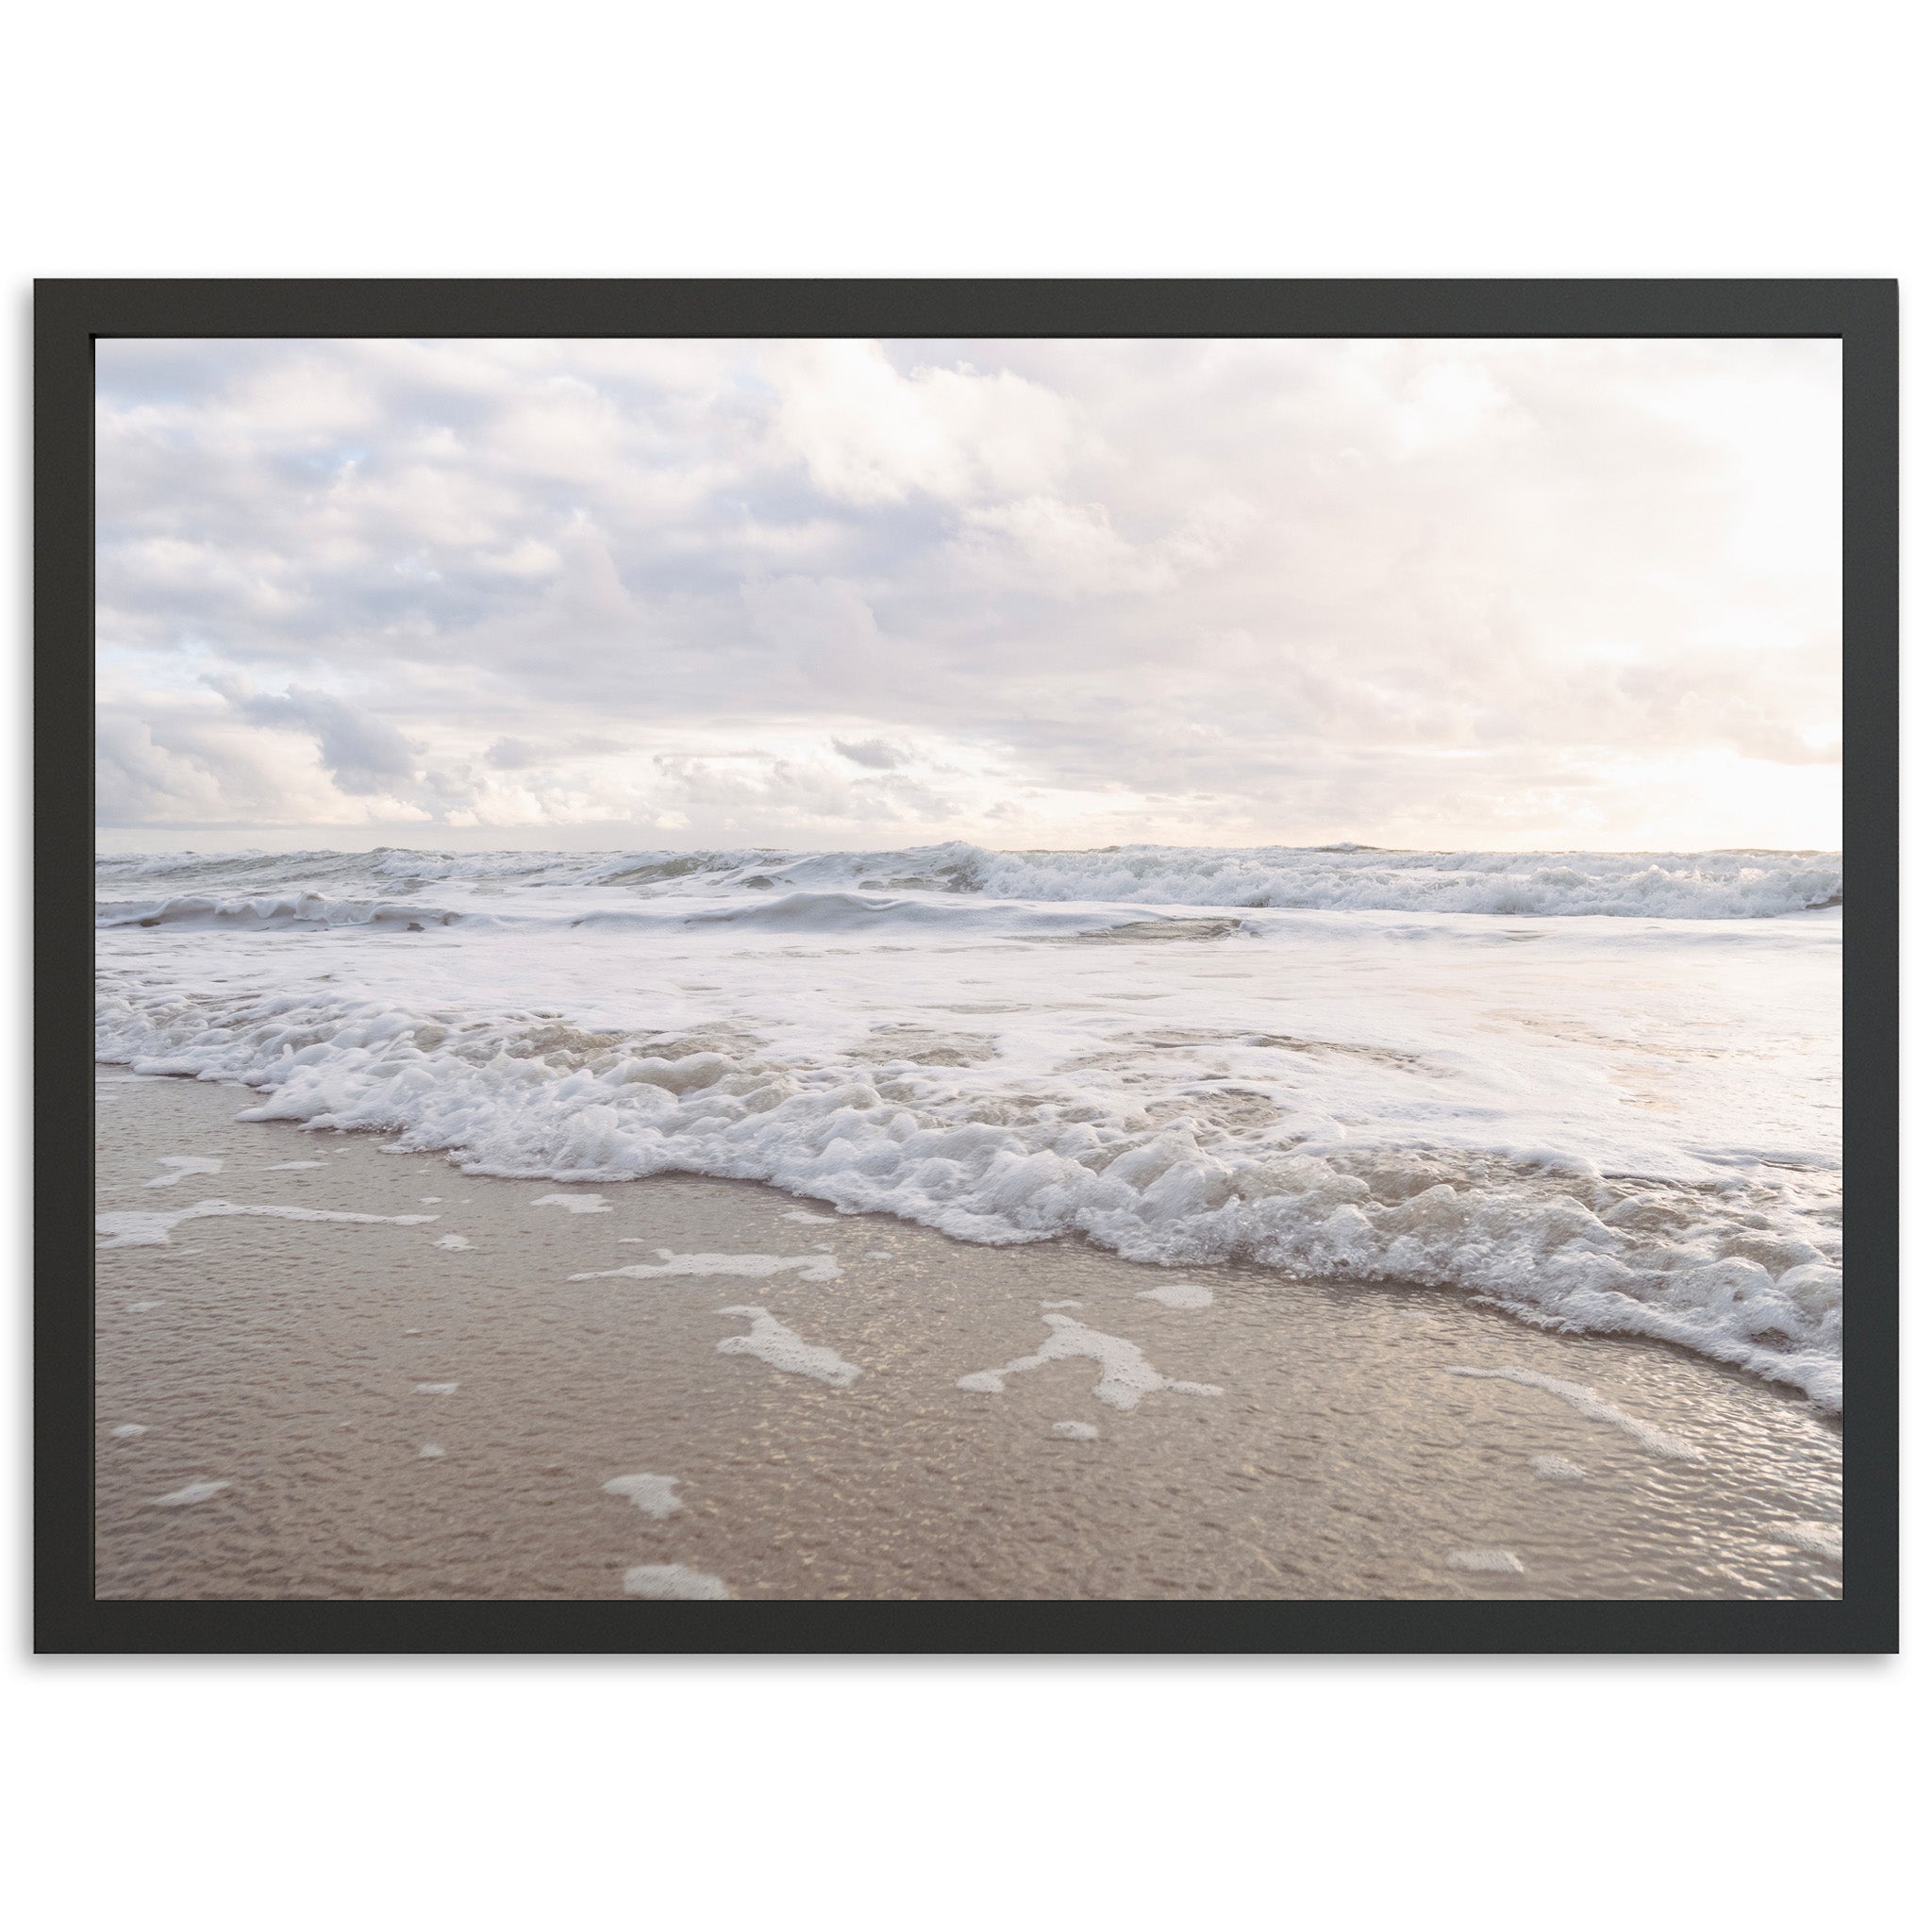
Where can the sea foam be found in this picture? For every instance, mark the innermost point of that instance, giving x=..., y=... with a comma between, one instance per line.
x=1599, y=1089
x=752, y=1267
x=190, y=1494
x=1125, y=1373
x=130, y=1228
x=1587, y=1403
x=656, y=1495
x=784, y=1348
x=675, y=1583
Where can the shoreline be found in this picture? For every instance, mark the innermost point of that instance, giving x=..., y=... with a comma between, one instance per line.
x=833, y=1405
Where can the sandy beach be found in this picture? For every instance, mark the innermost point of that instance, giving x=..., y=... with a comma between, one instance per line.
x=461, y=1398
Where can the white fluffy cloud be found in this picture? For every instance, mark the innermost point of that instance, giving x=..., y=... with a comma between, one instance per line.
x=1511, y=594
x=869, y=433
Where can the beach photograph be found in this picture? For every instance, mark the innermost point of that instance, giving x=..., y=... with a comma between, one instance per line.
x=989, y=969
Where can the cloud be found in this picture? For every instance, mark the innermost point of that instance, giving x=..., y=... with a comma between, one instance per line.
x=513, y=755
x=822, y=628
x=361, y=753
x=873, y=753
x=775, y=800
x=137, y=780
x=1457, y=592
x=869, y=434
x=178, y=762
x=518, y=755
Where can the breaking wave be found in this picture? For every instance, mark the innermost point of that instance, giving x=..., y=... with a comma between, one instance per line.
x=1649, y=885
x=1597, y=1089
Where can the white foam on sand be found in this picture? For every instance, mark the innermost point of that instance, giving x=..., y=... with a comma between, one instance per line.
x=287, y=1166
x=454, y=1242
x=573, y=1204
x=1076, y=1432
x=674, y=1582
x=436, y=1387
x=133, y=1229
x=1062, y=1304
x=785, y=1348
x=812, y=1219
x=1820, y=1538
x=656, y=1495
x=1179, y=1294
x=1558, y=1468
x=1505, y=1560
x=182, y=1165
x=191, y=1492
x=1586, y=1402
x=125, y=1429
x=752, y=1267
x=144, y=1307
x=431, y=1200
x=1125, y=1373
x=430, y=1452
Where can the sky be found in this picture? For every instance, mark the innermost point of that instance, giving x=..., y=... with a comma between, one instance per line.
x=1508, y=595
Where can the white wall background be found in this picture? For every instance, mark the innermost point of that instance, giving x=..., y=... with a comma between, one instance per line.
x=1490, y=138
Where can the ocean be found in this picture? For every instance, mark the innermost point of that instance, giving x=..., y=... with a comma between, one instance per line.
x=1600, y=1090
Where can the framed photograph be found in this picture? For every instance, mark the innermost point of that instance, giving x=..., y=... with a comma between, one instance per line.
x=967, y=966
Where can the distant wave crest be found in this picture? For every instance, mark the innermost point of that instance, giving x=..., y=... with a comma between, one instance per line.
x=1641, y=885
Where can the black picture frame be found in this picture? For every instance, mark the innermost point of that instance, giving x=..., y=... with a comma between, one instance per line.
x=71, y=315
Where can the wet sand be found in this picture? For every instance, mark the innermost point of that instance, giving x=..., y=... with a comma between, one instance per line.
x=388, y=1414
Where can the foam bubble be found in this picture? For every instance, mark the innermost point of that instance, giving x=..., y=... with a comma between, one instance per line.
x=1076, y=1432
x=750, y=1267
x=430, y=1452
x=130, y=1229
x=1125, y=1373
x=656, y=1495
x=674, y=1582
x=454, y=1242
x=128, y=1429
x=189, y=1492
x=814, y=1220
x=771, y=1341
x=1503, y=1560
x=1179, y=1294
x=1586, y=1402
x=436, y=1387
x=287, y=1166
x=183, y=1165
x=431, y=1200
x=1063, y=1305
x=144, y=1307
x=573, y=1204
x=1820, y=1538
x=1558, y=1468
